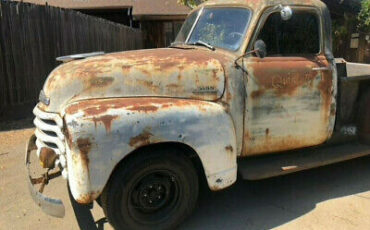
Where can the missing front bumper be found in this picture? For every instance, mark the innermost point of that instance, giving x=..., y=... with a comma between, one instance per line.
x=50, y=206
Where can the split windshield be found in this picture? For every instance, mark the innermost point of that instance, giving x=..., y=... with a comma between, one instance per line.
x=218, y=27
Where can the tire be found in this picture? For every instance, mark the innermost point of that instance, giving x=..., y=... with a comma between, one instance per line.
x=155, y=190
x=364, y=118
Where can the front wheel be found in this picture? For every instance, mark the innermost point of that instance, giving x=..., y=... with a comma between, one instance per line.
x=157, y=190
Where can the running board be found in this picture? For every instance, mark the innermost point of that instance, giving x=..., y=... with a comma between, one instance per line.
x=261, y=167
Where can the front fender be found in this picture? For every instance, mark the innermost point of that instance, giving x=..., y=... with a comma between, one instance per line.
x=100, y=133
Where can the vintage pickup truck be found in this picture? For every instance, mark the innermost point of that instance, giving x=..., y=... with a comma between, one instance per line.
x=249, y=87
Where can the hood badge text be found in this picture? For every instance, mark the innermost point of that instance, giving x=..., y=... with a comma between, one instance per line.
x=205, y=89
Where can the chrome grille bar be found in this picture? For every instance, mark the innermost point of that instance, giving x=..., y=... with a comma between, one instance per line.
x=49, y=134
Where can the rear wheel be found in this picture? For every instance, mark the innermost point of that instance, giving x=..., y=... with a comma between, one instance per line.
x=156, y=190
x=364, y=121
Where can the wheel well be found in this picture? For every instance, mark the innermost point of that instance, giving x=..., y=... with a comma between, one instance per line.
x=185, y=150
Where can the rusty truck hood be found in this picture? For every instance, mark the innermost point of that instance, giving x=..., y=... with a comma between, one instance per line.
x=169, y=72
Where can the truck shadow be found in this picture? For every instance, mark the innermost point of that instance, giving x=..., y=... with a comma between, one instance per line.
x=11, y=125
x=270, y=203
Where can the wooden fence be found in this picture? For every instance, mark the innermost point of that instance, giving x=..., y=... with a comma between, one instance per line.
x=31, y=37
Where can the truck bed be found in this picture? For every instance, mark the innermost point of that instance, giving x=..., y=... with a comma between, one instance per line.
x=353, y=83
x=351, y=71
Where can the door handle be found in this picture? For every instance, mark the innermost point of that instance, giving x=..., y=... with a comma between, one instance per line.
x=320, y=69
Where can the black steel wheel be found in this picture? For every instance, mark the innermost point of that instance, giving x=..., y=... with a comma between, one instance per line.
x=157, y=190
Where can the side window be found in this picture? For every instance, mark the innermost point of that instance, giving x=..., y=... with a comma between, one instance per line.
x=297, y=36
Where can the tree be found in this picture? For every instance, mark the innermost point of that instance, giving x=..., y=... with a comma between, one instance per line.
x=364, y=16
x=191, y=3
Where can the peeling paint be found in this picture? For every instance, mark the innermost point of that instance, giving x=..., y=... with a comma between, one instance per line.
x=229, y=148
x=287, y=98
x=141, y=139
x=84, y=145
x=106, y=120
x=92, y=158
x=160, y=72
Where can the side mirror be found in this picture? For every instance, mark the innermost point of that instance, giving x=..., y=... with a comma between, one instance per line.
x=260, y=48
x=286, y=13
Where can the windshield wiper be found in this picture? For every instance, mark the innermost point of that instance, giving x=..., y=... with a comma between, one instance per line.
x=180, y=45
x=174, y=44
x=202, y=43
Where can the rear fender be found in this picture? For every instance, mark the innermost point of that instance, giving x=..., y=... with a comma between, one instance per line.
x=100, y=133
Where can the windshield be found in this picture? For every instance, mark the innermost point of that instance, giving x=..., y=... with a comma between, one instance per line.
x=219, y=27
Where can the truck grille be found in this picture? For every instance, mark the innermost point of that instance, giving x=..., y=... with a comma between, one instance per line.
x=49, y=134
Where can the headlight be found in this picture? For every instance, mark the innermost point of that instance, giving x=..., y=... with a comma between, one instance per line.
x=42, y=98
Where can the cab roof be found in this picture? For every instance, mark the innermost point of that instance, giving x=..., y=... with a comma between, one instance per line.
x=261, y=4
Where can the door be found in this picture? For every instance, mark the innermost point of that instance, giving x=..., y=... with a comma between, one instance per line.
x=289, y=92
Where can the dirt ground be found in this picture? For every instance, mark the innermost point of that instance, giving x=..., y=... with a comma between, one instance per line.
x=332, y=197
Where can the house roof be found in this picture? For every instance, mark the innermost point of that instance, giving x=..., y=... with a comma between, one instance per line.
x=159, y=7
x=140, y=8
x=83, y=4
x=171, y=9
x=335, y=6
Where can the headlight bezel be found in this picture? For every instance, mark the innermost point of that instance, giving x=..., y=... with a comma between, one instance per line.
x=43, y=98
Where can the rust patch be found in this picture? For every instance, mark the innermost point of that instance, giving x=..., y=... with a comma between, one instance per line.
x=267, y=131
x=126, y=68
x=277, y=144
x=88, y=198
x=101, y=81
x=149, y=85
x=143, y=108
x=151, y=72
x=47, y=158
x=165, y=58
x=166, y=105
x=257, y=93
x=229, y=148
x=283, y=76
x=325, y=88
x=84, y=145
x=146, y=72
x=174, y=86
x=106, y=120
x=67, y=134
x=148, y=105
x=141, y=139
x=215, y=77
x=229, y=96
x=299, y=75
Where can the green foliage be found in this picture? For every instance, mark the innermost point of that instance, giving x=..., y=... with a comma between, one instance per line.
x=191, y=3
x=364, y=16
x=342, y=29
x=213, y=34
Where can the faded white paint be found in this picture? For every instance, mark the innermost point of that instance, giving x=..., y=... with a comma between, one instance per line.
x=209, y=131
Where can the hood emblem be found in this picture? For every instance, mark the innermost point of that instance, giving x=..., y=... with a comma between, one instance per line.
x=205, y=89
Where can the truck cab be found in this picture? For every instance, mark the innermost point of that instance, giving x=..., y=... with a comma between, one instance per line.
x=247, y=86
